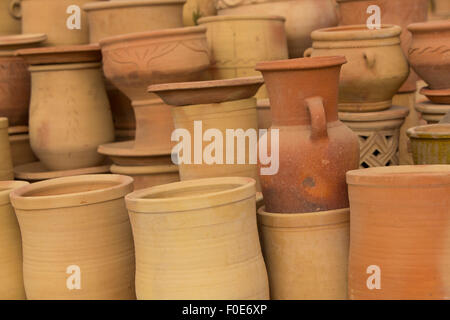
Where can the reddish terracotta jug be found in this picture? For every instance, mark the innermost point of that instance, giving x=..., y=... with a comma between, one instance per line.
x=315, y=148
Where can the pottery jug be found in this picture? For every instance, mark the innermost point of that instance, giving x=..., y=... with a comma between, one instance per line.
x=10, y=15
x=11, y=276
x=6, y=166
x=315, y=148
x=198, y=239
x=77, y=239
x=430, y=144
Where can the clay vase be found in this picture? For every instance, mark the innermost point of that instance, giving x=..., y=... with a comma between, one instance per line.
x=11, y=276
x=15, y=78
x=237, y=43
x=376, y=65
x=69, y=110
x=430, y=144
x=148, y=176
x=10, y=15
x=196, y=9
x=76, y=227
x=6, y=166
x=399, y=238
x=306, y=254
x=207, y=241
x=313, y=14
x=429, y=57
x=398, y=12
x=57, y=19
x=315, y=149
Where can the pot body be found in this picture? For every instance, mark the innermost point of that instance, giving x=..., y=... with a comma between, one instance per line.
x=314, y=14
x=214, y=229
x=10, y=17
x=399, y=232
x=87, y=234
x=196, y=9
x=6, y=166
x=69, y=115
x=430, y=144
x=21, y=152
x=306, y=254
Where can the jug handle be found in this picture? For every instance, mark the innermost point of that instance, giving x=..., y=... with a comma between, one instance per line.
x=318, y=118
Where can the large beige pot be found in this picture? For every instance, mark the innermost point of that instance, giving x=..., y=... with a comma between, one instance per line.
x=6, y=166
x=11, y=275
x=306, y=253
x=198, y=240
x=10, y=15
x=76, y=223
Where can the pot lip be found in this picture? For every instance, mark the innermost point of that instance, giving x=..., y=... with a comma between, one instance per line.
x=301, y=63
x=245, y=190
x=427, y=91
x=7, y=186
x=101, y=5
x=61, y=54
x=241, y=17
x=3, y=122
x=141, y=170
x=356, y=32
x=21, y=39
x=64, y=66
x=400, y=176
x=394, y=112
x=148, y=35
x=21, y=201
x=430, y=131
x=429, y=26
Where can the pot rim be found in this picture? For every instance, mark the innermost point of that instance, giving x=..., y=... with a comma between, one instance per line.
x=241, y=17
x=395, y=112
x=356, y=32
x=141, y=170
x=21, y=201
x=245, y=189
x=3, y=122
x=6, y=187
x=409, y=176
x=101, y=5
x=429, y=26
x=430, y=131
x=219, y=83
x=21, y=39
x=61, y=54
x=301, y=63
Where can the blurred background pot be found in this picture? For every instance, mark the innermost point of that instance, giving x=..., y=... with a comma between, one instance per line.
x=196, y=9
x=10, y=14
x=148, y=176
x=6, y=166
x=430, y=144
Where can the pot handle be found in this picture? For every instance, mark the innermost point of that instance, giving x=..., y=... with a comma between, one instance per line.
x=370, y=58
x=318, y=118
x=14, y=9
x=308, y=52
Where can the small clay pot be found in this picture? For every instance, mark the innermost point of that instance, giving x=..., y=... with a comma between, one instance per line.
x=10, y=14
x=11, y=276
x=6, y=166
x=430, y=144
x=376, y=65
x=148, y=176
x=432, y=112
x=199, y=225
x=76, y=226
x=399, y=232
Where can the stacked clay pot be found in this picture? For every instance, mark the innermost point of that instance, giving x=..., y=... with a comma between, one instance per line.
x=6, y=166
x=207, y=241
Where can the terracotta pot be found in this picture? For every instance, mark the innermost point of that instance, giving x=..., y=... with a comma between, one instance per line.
x=237, y=43
x=10, y=15
x=315, y=148
x=21, y=152
x=398, y=12
x=76, y=221
x=430, y=144
x=207, y=237
x=67, y=125
x=378, y=133
x=399, y=232
x=15, y=78
x=429, y=57
x=51, y=18
x=121, y=109
x=148, y=176
x=11, y=276
x=196, y=9
x=376, y=65
x=222, y=105
x=313, y=14
x=432, y=112
x=6, y=166
x=306, y=254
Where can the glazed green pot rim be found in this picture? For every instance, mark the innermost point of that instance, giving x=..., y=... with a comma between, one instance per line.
x=429, y=26
x=6, y=187
x=120, y=186
x=102, y=5
x=431, y=131
x=3, y=122
x=356, y=33
x=301, y=63
x=241, y=188
x=244, y=17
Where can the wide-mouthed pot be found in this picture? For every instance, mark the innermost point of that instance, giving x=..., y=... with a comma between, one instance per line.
x=6, y=166
x=10, y=15
x=76, y=237
x=376, y=65
x=198, y=239
x=11, y=276
x=399, y=237
x=430, y=144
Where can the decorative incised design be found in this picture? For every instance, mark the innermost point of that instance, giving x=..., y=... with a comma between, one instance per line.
x=439, y=50
x=378, y=148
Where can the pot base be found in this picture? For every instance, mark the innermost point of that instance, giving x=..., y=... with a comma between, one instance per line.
x=441, y=96
x=432, y=112
x=365, y=106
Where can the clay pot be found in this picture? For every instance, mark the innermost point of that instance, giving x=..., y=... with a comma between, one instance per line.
x=432, y=112
x=429, y=57
x=10, y=15
x=306, y=254
x=148, y=176
x=196, y=9
x=430, y=144
x=398, y=12
x=80, y=222
x=6, y=166
x=51, y=18
x=376, y=65
x=315, y=148
x=399, y=232
x=21, y=152
x=67, y=125
x=237, y=43
x=207, y=238
x=221, y=105
x=15, y=78
x=313, y=14
x=11, y=276
x=264, y=116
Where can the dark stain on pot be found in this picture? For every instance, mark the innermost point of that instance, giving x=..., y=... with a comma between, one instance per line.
x=309, y=182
